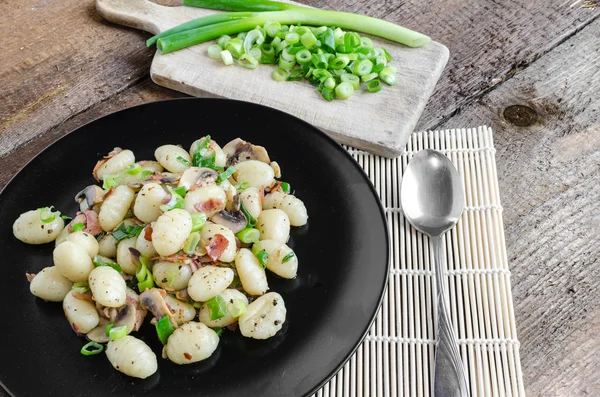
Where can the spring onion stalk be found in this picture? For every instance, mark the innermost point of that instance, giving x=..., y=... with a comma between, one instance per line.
x=236, y=308
x=288, y=257
x=78, y=227
x=231, y=23
x=217, y=307
x=98, y=261
x=196, y=23
x=92, y=348
x=118, y=332
x=388, y=75
x=191, y=243
x=46, y=214
x=344, y=90
x=198, y=220
x=164, y=329
x=249, y=235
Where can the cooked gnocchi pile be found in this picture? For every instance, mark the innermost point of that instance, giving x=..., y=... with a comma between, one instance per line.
x=185, y=239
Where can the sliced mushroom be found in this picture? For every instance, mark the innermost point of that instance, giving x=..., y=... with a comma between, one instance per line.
x=98, y=334
x=236, y=221
x=197, y=176
x=165, y=177
x=154, y=300
x=240, y=150
x=90, y=196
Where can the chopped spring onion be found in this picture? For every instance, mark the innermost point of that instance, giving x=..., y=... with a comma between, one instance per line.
x=280, y=74
x=81, y=287
x=180, y=191
x=218, y=331
x=191, y=243
x=344, y=90
x=99, y=261
x=374, y=86
x=226, y=57
x=388, y=75
x=108, y=328
x=308, y=39
x=133, y=169
x=92, y=348
x=250, y=218
x=118, y=332
x=248, y=61
x=46, y=214
x=369, y=77
x=172, y=274
x=292, y=38
x=197, y=305
x=288, y=257
x=362, y=68
x=248, y=235
x=66, y=218
x=123, y=232
x=340, y=62
x=303, y=57
x=78, y=227
x=176, y=200
x=262, y=258
x=242, y=186
x=144, y=276
x=109, y=181
x=236, y=308
x=255, y=53
x=285, y=187
x=286, y=65
x=198, y=220
x=223, y=176
x=256, y=248
x=214, y=50
x=352, y=79
x=217, y=307
x=164, y=329
x=222, y=42
x=329, y=83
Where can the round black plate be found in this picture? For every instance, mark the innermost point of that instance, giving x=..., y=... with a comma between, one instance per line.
x=343, y=261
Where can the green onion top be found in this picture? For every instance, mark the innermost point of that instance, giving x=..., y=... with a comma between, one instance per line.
x=217, y=307
x=164, y=329
x=123, y=232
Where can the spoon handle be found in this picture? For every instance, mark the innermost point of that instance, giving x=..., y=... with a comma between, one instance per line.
x=449, y=374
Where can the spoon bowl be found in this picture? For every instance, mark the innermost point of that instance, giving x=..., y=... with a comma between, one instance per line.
x=433, y=200
x=432, y=195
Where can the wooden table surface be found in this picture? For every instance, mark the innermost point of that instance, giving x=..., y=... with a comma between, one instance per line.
x=62, y=65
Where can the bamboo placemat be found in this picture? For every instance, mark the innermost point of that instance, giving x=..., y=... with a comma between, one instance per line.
x=397, y=356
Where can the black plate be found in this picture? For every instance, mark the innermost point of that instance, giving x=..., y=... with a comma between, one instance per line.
x=343, y=261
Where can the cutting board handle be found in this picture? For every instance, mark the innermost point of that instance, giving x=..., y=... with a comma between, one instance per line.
x=145, y=15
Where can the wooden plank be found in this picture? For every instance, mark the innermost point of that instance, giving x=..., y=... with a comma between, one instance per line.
x=549, y=177
x=60, y=58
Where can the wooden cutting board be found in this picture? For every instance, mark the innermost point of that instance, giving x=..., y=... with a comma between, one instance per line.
x=380, y=123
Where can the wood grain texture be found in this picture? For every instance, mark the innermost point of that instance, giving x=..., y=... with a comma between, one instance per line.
x=550, y=184
x=364, y=121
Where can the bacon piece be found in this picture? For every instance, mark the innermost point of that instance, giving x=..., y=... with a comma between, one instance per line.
x=30, y=276
x=92, y=224
x=217, y=245
x=100, y=163
x=79, y=218
x=232, y=327
x=140, y=312
x=210, y=205
x=148, y=233
x=166, y=199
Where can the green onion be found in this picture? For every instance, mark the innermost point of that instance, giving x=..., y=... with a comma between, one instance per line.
x=255, y=53
x=109, y=181
x=191, y=243
x=198, y=220
x=262, y=258
x=369, y=77
x=133, y=169
x=329, y=83
x=117, y=332
x=123, y=232
x=374, y=86
x=285, y=187
x=272, y=28
x=217, y=307
x=248, y=61
x=366, y=42
x=236, y=308
x=303, y=57
x=197, y=305
x=66, y=218
x=222, y=42
x=388, y=75
x=176, y=200
x=308, y=39
x=108, y=328
x=352, y=79
x=99, y=261
x=78, y=227
x=377, y=68
x=340, y=62
x=256, y=248
x=286, y=65
x=223, y=176
x=214, y=51
x=344, y=90
x=250, y=218
x=288, y=257
x=280, y=74
x=248, y=235
x=144, y=276
x=362, y=68
x=253, y=37
x=81, y=287
x=218, y=331
x=92, y=348
x=46, y=214
x=164, y=329
x=327, y=93
x=226, y=57
x=235, y=282
x=145, y=174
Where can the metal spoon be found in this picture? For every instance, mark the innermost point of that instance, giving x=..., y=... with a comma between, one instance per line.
x=433, y=200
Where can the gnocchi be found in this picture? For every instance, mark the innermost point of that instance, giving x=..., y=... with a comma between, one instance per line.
x=192, y=233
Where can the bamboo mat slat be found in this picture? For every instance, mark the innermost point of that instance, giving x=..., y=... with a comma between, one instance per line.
x=397, y=356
